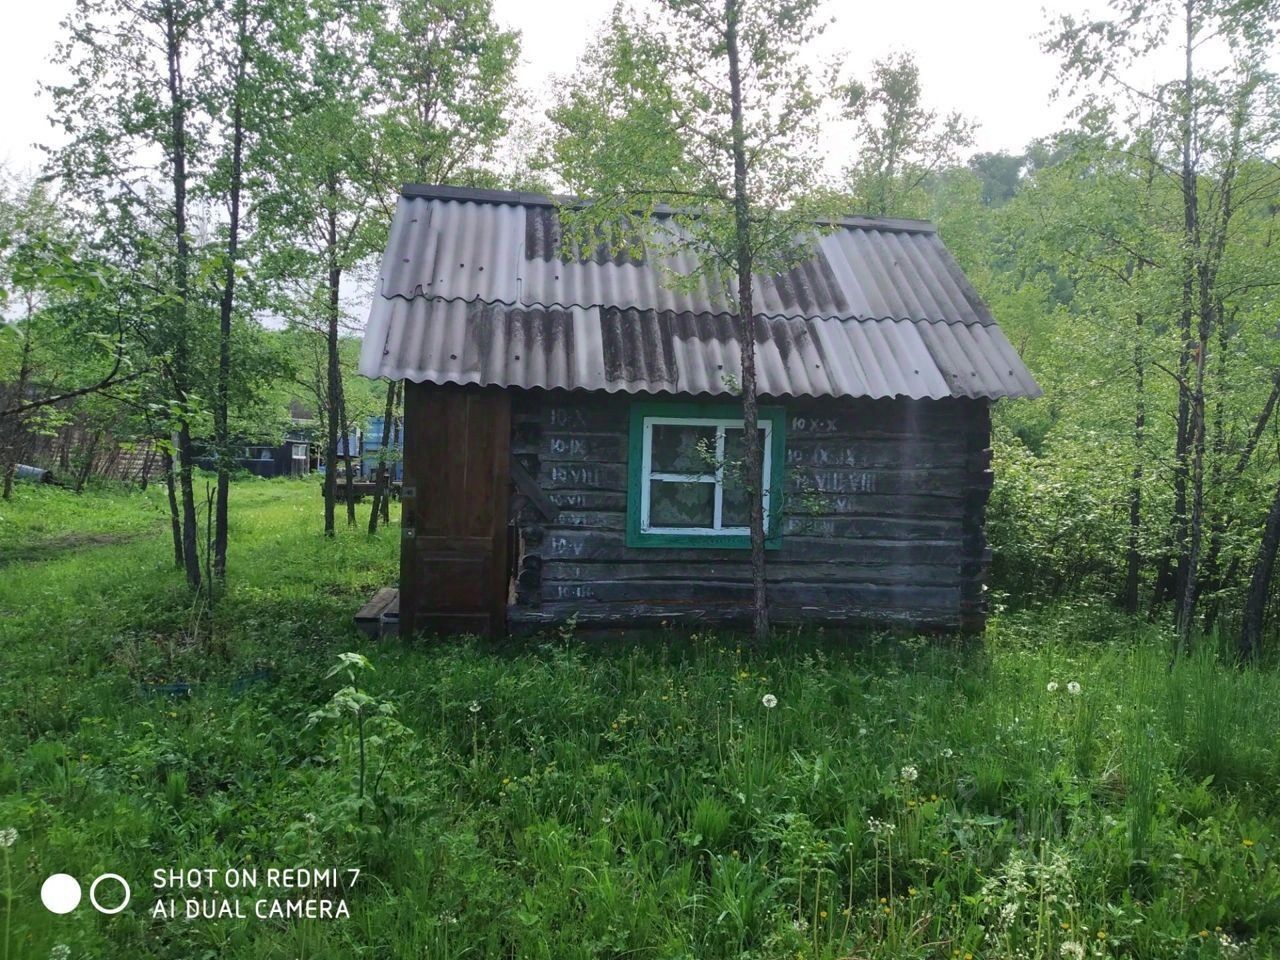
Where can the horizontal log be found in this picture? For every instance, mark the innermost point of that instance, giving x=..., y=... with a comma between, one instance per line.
x=942, y=483
x=591, y=520
x=651, y=615
x=846, y=528
x=587, y=545
x=864, y=527
x=590, y=415
x=811, y=504
x=610, y=500
x=905, y=453
x=804, y=483
x=588, y=447
x=797, y=571
x=860, y=416
x=582, y=476
x=904, y=596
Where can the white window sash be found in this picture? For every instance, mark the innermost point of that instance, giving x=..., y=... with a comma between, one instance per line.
x=647, y=476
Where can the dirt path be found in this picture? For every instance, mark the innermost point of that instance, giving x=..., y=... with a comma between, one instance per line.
x=55, y=546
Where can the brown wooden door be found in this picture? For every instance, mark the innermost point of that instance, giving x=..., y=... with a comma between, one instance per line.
x=453, y=558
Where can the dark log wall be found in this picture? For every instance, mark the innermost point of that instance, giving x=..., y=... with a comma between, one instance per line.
x=885, y=507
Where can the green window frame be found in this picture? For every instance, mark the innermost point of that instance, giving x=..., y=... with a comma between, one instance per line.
x=645, y=416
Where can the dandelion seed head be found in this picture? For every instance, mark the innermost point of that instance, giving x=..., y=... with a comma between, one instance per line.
x=1052, y=686
x=769, y=700
x=909, y=774
x=8, y=837
x=475, y=706
x=1073, y=688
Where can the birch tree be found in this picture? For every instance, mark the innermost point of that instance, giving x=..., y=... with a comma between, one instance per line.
x=1202, y=127
x=714, y=111
x=134, y=137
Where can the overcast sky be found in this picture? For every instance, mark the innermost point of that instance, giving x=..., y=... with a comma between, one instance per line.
x=982, y=59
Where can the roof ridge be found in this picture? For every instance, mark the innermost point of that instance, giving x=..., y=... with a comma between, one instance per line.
x=522, y=198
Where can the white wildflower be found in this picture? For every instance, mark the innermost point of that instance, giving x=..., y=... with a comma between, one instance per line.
x=475, y=706
x=862, y=731
x=8, y=837
x=1072, y=950
x=1073, y=688
x=947, y=753
x=1052, y=686
x=769, y=700
x=879, y=827
x=909, y=774
x=60, y=951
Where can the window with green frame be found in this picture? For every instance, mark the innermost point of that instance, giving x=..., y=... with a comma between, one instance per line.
x=685, y=469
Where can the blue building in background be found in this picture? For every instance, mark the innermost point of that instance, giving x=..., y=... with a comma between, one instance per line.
x=364, y=446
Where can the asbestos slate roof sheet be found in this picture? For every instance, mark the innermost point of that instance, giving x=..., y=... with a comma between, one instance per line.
x=474, y=289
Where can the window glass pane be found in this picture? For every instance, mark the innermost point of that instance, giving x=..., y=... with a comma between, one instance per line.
x=735, y=447
x=678, y=448
x=674, y=504
x=735, y=506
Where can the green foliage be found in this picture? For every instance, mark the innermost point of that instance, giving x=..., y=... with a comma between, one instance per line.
x=647, y=121
x=617, y=120
x=900, y=142
x=559, y=798
x=444, y=73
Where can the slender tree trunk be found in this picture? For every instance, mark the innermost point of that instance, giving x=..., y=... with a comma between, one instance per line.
x=334, y=370
x=181, y=269
x=190, y=523
x=1241, y=465
x=144, y=474
x=395, y=446
x=1255, y=604
x=175, y=519
x=13, y=450
x=1208, y=581
x=380, y=490
x=1190, y=401
x=346, y=448
x=1133, y=565
x=226, y=306
x=754, y=455
x=1187, y=602
x=86, y=468
x=11, y=467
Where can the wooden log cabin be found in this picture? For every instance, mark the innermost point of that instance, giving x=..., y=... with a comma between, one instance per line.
x=571, y=427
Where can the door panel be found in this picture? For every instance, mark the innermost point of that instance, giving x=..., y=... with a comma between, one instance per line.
x=454, y=526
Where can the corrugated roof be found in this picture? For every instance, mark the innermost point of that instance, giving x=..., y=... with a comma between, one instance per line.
x=474, y=289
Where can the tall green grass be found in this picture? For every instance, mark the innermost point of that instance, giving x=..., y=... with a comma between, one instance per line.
x=560, y=798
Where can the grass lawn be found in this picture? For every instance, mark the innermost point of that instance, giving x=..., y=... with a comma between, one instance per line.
x=563, y=799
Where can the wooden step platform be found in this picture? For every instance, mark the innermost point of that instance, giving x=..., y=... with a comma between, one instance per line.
x=380, y=617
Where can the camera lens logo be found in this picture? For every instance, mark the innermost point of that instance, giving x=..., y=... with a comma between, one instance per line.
x=61, y=893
